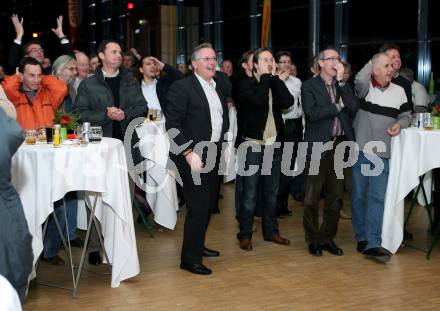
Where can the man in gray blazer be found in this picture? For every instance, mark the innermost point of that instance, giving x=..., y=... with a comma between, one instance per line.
x=327, y=101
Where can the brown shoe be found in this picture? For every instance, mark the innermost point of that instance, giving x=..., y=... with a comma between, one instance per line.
x=55, y=260
x=276, y=238
x=246, y=245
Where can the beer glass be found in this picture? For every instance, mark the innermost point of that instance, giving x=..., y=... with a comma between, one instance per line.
x=95, y=134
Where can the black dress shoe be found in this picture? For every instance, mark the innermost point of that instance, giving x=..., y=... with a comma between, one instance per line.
x=378, y=254
x=315, y=249
x=210, y=252
x=216, y=210
x=95, y=258
x=361, y=246
x=299, y=197
x=332, y=248
x=196, y=268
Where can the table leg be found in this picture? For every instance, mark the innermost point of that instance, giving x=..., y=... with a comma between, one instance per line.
x=433, y=231
x=66, y=245
x=92, y=220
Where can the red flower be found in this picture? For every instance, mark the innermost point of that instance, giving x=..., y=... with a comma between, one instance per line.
x=65, y=120
x=437, y=108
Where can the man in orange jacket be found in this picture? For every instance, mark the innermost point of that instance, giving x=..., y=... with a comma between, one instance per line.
x=35, y=97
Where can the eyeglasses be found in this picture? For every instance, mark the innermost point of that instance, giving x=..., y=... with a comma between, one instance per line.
x=208, y=59
x=333, y=59
x=285, y=62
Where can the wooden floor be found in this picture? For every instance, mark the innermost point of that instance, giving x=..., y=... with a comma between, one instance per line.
x=271, y=277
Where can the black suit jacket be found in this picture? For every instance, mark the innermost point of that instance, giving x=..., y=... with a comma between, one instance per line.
x=254, y=98
x=188, y=112
x=164, y=83
x=320, y=111
x=224, y=83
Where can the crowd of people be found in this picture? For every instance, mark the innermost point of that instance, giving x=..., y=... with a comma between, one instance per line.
x=276, y=112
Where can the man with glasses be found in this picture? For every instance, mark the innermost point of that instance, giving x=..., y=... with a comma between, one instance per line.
x=197, y=109
x=326, y=101
x=34, y=48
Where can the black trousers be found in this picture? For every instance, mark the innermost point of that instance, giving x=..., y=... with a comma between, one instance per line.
x=200, y=202
x=293, y=133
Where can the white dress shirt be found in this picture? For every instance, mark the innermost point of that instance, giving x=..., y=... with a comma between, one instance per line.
x=215, y=107
x=420, y=96
x=76, y=83
x=150, y=95
x=295, y=111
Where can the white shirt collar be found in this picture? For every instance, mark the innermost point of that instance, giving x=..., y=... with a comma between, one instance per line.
x=205, y=83
x=154, y=83
x=107, y=75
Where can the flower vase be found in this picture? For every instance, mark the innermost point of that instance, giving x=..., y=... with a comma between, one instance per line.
x=436, y=122
x=63, y=133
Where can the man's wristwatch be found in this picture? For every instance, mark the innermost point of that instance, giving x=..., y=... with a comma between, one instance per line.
x=341, y=82
x=64, y=40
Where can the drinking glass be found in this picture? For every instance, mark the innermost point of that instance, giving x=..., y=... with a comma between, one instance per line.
x=95, y=134
x=31, y=137
x=49, y=133
x=427, y=122
x=41, y=135
x=80, y=141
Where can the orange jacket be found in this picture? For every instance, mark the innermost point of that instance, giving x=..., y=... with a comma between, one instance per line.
x=48, y=99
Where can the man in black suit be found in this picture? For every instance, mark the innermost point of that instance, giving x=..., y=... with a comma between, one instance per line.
x=197, y=109
x=326, y=100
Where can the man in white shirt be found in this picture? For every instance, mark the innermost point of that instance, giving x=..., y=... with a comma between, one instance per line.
x=292, y=118
x=154, y=87
x=197, y=110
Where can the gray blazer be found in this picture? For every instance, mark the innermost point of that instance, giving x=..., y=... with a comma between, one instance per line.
x=16, y=257
x=320, y=111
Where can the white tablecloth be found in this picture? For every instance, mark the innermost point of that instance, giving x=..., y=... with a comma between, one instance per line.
x=161, y=191
x=231, y=167
x=43, y=174
x=413, y=153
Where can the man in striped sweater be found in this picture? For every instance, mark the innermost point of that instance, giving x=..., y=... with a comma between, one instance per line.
x=383, y=112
